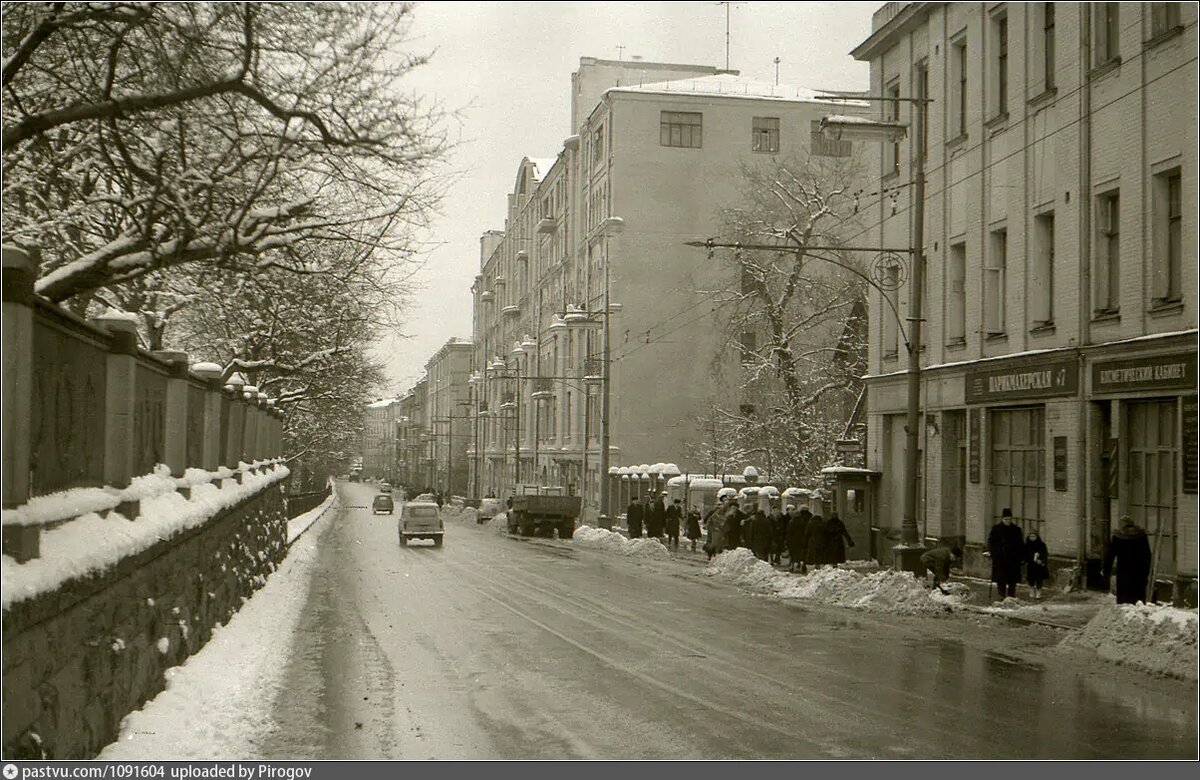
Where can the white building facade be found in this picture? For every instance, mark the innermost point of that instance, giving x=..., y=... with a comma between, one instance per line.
x=1059, y=359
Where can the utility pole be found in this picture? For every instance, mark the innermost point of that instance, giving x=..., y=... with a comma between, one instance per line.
x=517, y=427
x=450, y=452
x=605, y=508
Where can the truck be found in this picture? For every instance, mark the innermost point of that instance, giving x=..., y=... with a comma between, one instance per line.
x=542, y=515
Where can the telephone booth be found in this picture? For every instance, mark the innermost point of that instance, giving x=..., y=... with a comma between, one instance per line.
x=854, y=492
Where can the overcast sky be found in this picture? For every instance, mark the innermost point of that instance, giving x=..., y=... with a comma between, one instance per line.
x=506, y=69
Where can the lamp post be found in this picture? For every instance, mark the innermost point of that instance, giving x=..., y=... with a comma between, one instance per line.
x=905, y=555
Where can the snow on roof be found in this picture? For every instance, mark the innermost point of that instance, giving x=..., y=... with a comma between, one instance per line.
x=729, y=85
x=382, y=403
x=852, y=120
x=542, y=166
x=848, y=470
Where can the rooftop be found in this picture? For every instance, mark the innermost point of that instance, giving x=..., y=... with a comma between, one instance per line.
x=730, y=85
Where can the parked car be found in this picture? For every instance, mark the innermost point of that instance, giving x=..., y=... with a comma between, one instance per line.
x=383, y=504
x=489, y=508
x=385, y=487
x=426, y=498
x=421, y=520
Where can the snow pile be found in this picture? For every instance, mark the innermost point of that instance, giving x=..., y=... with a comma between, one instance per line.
x=298, y=525
x=611, y=541
x=1156, y=639
x=92, y=543
x=499, y=523
x=470, y=515
x=206, y=713
x=880, y=591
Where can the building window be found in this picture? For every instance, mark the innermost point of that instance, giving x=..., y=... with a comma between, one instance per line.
x=598, y=146
x=1018, y=465
x=956, y=300
x=764, y=134
x=892, y=107
x=749, y=346
x=994, y=273
x=1107, y=29
x=1168, y=228
x=1042, y=289
x=680, y=128
x=1164, y=17
x=823, y=146
x=1107, y=270
x=1000, y=63
x=959, y=67
x=1048, y=44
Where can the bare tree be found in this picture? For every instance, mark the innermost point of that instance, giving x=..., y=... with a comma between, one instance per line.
x=795, y=316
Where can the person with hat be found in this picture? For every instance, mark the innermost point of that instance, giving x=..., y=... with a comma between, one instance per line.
x=673, y=515
x=1006, y=547
x=1129, y=550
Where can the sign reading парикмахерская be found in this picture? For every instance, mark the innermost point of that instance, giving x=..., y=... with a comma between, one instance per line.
x=1039, y=380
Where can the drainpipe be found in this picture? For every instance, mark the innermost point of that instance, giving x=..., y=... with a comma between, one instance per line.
x=1085, y=279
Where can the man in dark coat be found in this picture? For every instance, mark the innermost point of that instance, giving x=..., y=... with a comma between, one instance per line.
x=939, y=560
x=836, y=539
x=780, y=522
x=655, y=518
x=797, y=532
x=762, y=535
x=1130, y=549
x=1006, y=546
x=633, y=519
x=733, y=525
x=814, y=542
x=693, y=527
x=673, y=517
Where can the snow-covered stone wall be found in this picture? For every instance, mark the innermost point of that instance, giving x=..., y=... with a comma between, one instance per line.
x=84, y=650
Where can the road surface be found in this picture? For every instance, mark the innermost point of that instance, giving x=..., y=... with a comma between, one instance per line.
x=499, y=648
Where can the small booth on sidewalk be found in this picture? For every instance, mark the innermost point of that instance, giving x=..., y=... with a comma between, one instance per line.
x=854, y=499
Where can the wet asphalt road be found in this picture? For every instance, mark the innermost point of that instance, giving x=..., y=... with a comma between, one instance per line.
x=499, y=648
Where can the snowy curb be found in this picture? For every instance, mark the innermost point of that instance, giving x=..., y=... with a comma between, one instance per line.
x=599, y=539
x=880, y=591
x=301, y=523
x=92, y=543
x=1155, y=639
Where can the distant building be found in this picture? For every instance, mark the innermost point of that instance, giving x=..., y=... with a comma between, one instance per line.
x=650, y=165
x=448, y=415
x=1060, y=299
x=379, y=439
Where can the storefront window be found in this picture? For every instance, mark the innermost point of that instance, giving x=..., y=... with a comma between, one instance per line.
x=1152, y=448
x=1018, y=465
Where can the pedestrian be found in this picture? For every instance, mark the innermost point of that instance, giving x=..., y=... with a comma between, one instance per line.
x=1129, y=555
x=1006, y=547
x=715, y=522
x=655, y=518
x=733, y=524
x=938, y=561
x=1037, y=570
x=836, y=539
x=693, y=527
x=633, y=519
x=673, y=513
x=762, y=535
x=814, y=543
x=780, y=522
x=796, y=538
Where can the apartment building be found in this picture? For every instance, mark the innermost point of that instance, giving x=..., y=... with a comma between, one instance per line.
x=379, y=439
x=1059, y=359
x=603, y=224
x=448, y=416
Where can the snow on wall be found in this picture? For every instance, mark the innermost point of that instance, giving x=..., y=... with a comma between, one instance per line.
x=92, y=543
x=1156, y=639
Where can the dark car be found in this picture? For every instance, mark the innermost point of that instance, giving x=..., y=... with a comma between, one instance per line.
x=383, y=503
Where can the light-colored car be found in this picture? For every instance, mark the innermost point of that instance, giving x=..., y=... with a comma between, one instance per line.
x=385, y=487
x=489, y=508
x=425, y=497
x=421, y=520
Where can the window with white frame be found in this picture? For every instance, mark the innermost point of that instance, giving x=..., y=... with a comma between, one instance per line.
x=956, y=294
x=764, y=134
x=1041, y=292
x=1168, y=237
x=995, y=272
x=1106, y=271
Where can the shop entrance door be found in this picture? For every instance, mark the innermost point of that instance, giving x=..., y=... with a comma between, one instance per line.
x=1151, y=475
x=1018, y=465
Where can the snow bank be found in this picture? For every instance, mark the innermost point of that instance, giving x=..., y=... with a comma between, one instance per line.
x=499, y=523
x=1156, y=639
x=208, y=714
x=299, y=524
x=92, y=543
x=611, y=541
x=880, y=591
x=470, y=515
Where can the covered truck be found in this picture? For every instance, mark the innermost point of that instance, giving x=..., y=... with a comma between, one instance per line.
x=542, y=515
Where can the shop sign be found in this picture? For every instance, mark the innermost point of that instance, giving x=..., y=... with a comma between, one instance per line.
x=1162, y=372
x=1038, y=380
x=1189, y=444
x=1060, y=464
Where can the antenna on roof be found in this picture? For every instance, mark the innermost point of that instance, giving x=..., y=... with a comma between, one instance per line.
x=777, y=71
x=620, y=52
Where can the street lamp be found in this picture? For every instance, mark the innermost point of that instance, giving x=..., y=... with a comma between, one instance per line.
x=905, y=555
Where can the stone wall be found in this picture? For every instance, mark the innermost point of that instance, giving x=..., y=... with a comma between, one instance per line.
x=80, y=658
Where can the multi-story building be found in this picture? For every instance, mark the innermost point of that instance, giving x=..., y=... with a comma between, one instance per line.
x=648, y=167
x=379, y=439
x=1059, y=366
x=448, y=415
